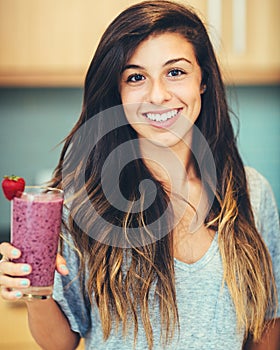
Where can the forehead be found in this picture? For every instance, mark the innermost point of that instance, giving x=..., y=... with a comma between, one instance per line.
x=164, y=45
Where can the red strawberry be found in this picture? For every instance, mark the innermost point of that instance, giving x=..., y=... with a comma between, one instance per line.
x=12, y=186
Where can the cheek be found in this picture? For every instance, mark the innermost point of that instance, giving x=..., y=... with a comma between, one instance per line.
x=133, y=94
x=192, y=93
x=195, y=106
x=128, y=95
x=123, y=92
x=124, y=96
x=131, y=103
x=187, y=91
x=130, y=110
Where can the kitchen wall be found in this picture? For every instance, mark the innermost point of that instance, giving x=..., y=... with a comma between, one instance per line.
x=34, y=121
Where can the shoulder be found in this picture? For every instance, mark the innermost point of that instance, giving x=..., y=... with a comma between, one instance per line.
x=263, y=203
x=259, y=189
x=257, y=183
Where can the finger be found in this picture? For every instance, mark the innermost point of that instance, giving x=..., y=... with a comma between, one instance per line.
x=61, y=266
x=12, y=269
x=15, y=283
x=8, y=251
x=9, y=295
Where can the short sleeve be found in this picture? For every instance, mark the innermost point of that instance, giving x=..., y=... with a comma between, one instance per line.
x=267, y=219
x=68, y=292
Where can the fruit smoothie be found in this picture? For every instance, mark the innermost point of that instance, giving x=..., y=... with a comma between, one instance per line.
x=35, y=229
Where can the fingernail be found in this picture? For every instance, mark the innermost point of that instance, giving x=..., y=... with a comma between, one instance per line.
x=64, y=268
x=25, y=268
x=18, y=294
x=15, y=252
x=24, y=283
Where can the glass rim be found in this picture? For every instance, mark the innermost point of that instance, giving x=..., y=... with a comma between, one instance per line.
x=42, y=187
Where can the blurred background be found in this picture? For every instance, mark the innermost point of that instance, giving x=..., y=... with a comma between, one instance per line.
x=45, y=49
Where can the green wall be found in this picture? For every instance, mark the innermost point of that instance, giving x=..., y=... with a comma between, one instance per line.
x=34, y=121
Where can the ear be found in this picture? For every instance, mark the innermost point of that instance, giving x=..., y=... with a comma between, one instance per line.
x=203, y=88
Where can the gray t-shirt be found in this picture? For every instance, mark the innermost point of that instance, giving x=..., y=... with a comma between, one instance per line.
x=206, y=311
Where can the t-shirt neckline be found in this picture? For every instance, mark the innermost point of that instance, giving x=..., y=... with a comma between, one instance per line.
x=204, y=260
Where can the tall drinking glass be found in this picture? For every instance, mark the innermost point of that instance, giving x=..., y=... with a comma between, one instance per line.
x=35, y=230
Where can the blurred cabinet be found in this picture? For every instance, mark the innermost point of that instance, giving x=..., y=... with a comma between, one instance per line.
x=51, y=43
x=246, y=35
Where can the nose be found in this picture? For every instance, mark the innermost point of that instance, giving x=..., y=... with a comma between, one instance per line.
x=158, y=92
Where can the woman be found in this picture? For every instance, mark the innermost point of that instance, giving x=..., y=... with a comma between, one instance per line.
x=169, y=241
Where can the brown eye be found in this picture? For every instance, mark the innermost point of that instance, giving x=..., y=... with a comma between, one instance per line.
x=135, y=78
x=175, y=72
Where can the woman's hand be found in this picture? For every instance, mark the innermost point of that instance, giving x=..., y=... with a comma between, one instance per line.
x=13, y=278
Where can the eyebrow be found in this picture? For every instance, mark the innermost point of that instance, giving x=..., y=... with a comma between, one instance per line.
x=167, y=63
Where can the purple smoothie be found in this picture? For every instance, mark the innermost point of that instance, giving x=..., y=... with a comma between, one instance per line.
x=36, y=225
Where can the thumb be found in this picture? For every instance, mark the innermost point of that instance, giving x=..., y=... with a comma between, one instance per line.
x=61, y=266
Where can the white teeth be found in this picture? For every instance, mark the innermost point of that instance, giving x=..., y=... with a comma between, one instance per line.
x=161, y=117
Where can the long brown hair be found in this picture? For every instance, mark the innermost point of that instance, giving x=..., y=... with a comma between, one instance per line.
x=126, y=269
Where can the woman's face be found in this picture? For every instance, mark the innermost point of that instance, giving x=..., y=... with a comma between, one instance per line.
x=161, y=90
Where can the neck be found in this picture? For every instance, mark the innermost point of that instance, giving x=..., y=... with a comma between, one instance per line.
x=175, y=169
x=172, y=166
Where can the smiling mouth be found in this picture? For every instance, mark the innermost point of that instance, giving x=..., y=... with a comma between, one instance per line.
x=162, y=117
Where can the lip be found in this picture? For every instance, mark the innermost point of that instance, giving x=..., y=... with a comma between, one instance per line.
x=162, y=124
